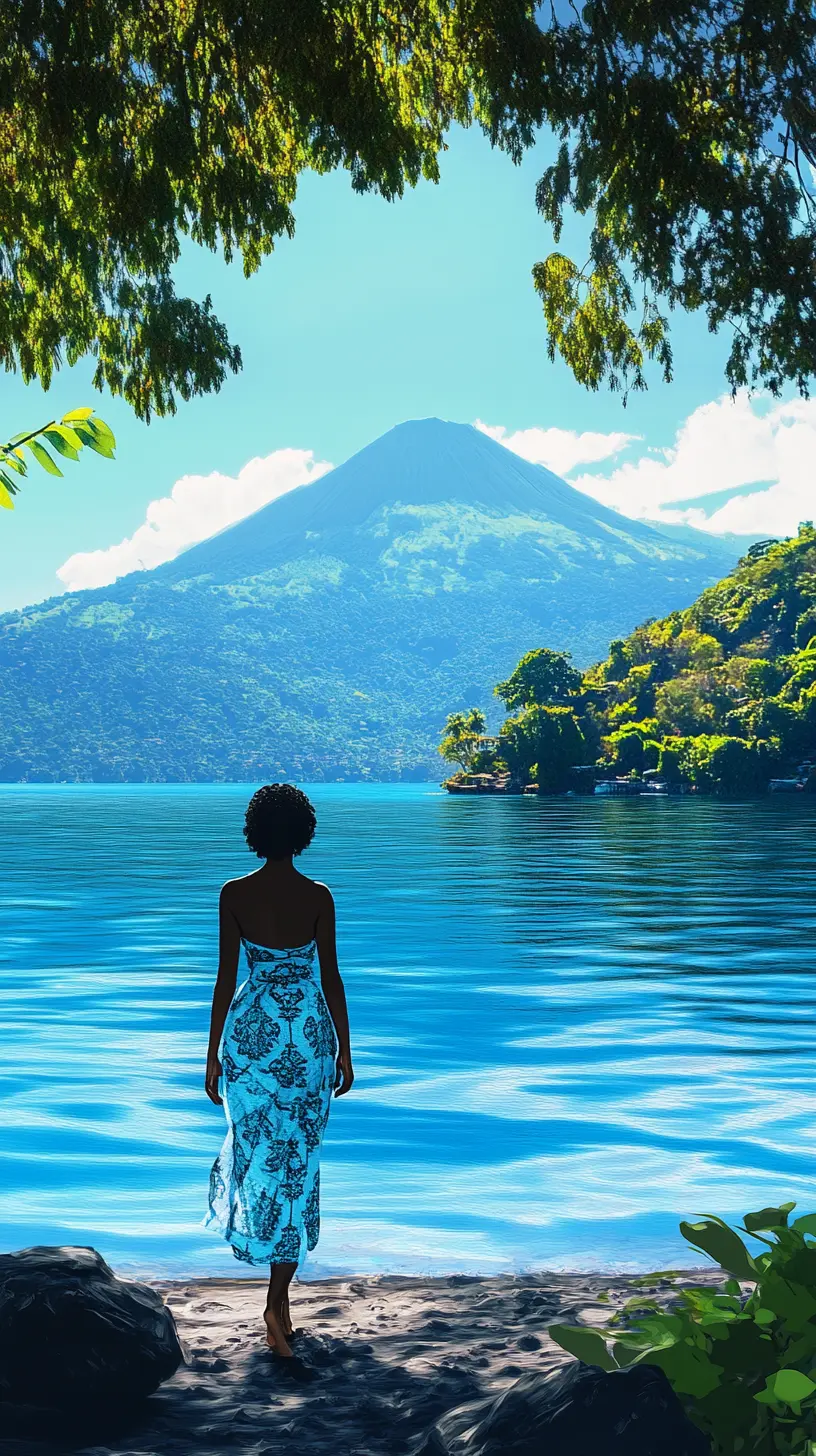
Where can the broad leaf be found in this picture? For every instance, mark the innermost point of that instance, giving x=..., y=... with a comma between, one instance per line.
x=43, y=458
x=720, y=1242
x=768, y=1218
x=791, y=1301
x=101, y=430
x=61, y=445
x=786, y=1387
x=5, y=498
x=78, y=414
x=69, y=435
x=13, y=460
x=102, y=447
x=585, y=1344
x=690, y=1371
x=23, y=435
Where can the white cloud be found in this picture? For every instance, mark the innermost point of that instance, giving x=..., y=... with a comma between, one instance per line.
x=197, y=507
x=560, y=450
x=722, y=445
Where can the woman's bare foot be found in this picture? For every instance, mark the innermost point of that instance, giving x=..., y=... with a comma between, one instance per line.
x=275, y=1333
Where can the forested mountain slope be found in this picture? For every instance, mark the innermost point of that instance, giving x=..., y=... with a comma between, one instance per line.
x=720, y=696
x=328, y=634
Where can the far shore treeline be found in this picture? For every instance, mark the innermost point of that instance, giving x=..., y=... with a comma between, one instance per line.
x=721, y=696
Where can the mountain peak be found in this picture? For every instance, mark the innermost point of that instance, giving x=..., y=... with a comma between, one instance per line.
x=330, y=632
x=418, y=463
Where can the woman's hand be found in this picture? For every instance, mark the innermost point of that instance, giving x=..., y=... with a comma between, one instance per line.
x=211, y=1080
x=344, y=1074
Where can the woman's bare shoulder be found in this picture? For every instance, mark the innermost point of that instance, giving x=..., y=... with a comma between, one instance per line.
x=322, y=894
x=232, y=890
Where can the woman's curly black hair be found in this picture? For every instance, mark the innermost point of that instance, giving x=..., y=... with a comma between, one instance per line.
x=280, y=821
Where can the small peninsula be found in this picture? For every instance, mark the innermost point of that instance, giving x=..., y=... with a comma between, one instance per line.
x=718, y=698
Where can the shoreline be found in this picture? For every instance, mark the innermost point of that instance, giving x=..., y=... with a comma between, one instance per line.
x=378, y=1359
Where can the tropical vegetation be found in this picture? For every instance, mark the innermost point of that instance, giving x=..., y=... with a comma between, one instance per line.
x=80, y=427
x=719, y=696
x=742, y=1361
x=686, y=134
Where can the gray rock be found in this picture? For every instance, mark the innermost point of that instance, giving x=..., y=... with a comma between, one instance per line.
x=573, y=1410
x=76, y=1340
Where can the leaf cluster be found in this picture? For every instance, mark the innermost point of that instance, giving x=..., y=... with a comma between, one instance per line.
x=127, y=128
x=687, y=133
x=68, y=436
x=744, y=1366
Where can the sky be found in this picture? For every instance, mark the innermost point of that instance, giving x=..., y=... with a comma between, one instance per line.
x=379, y=312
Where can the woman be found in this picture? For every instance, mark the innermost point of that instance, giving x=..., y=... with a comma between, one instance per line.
x=273, y=1045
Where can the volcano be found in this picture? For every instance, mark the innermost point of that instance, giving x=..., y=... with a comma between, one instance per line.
x=328, y=634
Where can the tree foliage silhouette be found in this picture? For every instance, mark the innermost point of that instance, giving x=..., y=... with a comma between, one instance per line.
x=686, y=133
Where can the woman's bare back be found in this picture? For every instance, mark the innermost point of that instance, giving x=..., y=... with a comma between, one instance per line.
x=277, y=906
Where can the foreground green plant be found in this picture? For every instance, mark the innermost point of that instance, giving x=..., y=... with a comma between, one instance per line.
x=743, y=1367
x=67, y=436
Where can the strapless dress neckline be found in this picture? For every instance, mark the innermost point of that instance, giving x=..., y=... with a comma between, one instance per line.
x=278, y=949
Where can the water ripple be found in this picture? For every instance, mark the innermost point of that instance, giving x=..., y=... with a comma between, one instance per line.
x=574, y=1022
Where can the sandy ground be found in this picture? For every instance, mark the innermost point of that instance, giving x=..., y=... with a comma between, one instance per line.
x=377, y=1360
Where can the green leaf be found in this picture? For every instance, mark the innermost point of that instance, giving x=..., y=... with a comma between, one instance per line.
x=626, y=1354
x=42, y=456
x=806, y=1224
x=102, y=447
x=61, y=445
x=101, y=430
x=722, y=1244
x=23, y=435
x=801, y=1267
x=585, y=1344
x=70, y=435
x=5, y=498
x=786, y=1387
x=690, y=1371
x=644, y=1279
x=768, y=1218
x=78, y=414
x=13, y=459
x=764, y=1316
x=791, y=1301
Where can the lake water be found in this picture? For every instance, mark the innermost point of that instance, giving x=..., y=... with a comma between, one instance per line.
x=573, y=1023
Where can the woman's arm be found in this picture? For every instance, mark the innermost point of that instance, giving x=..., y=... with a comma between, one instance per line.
x=333, y=990
x=229, y=944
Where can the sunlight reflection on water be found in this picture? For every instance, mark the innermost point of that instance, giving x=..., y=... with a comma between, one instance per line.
x=574, y=1022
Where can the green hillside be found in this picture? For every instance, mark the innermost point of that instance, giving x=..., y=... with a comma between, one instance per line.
x=326, y=635
x=721, y=695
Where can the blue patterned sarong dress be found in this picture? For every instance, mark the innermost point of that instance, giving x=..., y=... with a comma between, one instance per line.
x=277, y=1055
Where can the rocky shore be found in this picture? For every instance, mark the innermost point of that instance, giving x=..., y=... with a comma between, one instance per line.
x=379, y=1362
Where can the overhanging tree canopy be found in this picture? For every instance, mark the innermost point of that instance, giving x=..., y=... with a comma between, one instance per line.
x=126, y=125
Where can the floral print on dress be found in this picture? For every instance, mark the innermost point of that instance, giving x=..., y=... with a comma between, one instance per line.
x=289, y=1067
x=255, y=1032
x=277, y=1057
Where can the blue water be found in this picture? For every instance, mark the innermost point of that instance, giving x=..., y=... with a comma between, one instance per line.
x=573, y=1022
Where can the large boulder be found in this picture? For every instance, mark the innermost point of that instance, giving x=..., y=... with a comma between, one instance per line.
x=75, y=1339
x=573, y=1410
